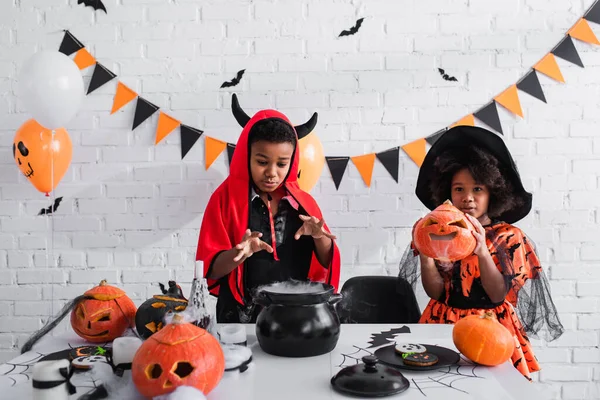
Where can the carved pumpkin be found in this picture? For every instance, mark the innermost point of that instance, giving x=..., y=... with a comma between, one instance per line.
x=103, y=315
x=150, y=315
x=180, y=354
x=445, y=234
x=482, y=339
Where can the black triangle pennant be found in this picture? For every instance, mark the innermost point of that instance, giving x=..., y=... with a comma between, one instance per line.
x=143, y=110
x=189, y=137
x=530, y=84
x=390, y=159
x=567, y=51
x=431, y=139
x=593, y=14
x=70, y=44
x=230, y=149
x=100, y=77
x=337, y=167
x=489, y=116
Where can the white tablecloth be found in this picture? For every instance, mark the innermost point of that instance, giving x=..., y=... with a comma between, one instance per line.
x=271, y=377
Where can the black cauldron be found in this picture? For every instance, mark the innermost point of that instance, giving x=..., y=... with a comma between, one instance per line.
x=298, y=324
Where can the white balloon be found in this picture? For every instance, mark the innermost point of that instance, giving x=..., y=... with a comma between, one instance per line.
x=51, y=88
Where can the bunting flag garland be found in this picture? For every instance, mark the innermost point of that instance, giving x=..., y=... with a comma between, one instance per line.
x=549, y=67
x=416, y=150
x=431, y=139
x=212, y=149
x=123, y=96
x=390, y=159
x=530, y=84
x=84, y=59
x=189, y=137
x=582, y=31
x=509, y=99
x=166, y=125
x=489, y=116
x=567, y=51
x=230, y=149
x=100, y=77
x=143, y=110
x=365, y=165
x=70, y=44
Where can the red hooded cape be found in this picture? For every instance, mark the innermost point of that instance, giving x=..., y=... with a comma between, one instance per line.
x=226, y=216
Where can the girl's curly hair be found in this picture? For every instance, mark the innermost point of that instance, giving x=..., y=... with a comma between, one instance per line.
x=484, y=168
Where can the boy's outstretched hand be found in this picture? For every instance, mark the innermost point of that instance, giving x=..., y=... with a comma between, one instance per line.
x=313, y=227
x=249, y=245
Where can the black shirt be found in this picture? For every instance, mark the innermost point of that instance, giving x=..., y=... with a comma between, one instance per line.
x=261, y=268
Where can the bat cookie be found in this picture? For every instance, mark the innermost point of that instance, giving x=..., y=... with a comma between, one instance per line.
x=409, y=348
x=420, y=359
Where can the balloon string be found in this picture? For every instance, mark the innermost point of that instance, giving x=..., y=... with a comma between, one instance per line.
x=51, y=219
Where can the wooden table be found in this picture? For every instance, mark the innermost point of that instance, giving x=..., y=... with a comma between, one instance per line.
x=271, y=377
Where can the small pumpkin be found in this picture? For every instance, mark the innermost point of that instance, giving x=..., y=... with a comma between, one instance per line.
x=482, y=339
x=104, y=313
x=445, y=234
x=180, y=354
x=150, y=315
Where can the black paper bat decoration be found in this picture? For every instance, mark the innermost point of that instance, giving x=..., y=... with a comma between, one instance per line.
x=381, y=338
x=352, y=30
x=446, y=76
x=235, y=80
x=52, y=208
x=95, y=4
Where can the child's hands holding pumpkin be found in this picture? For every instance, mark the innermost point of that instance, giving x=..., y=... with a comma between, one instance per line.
x=481, y=249
x=313, y=227
x=249, y=245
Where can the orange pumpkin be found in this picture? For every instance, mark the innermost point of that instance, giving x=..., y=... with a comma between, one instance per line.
x=482, y=339
x=180, y=354
x=104, y=314
x=445, y=234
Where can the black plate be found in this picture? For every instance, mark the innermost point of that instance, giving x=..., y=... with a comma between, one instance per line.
x=446, y=357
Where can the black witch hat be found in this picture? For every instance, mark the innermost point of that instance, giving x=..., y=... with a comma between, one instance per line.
x=460, y=137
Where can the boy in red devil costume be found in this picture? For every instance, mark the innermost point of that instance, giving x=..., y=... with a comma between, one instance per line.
x=259, y=227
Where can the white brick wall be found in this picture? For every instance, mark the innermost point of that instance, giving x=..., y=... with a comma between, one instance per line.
x=131, y=211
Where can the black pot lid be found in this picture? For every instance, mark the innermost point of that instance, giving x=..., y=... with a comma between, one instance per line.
x=370, y=379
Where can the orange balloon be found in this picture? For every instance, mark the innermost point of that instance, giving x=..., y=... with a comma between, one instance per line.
x=38, y=152
x=312, y=161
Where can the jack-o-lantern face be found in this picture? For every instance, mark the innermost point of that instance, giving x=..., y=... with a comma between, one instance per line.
x=42, y=155
x=181, y=354
x=149, y=316
x=445, y=234
x=103, y=315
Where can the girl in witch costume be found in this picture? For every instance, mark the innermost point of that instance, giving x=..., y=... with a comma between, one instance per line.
x=259, y=227
x=474, y=169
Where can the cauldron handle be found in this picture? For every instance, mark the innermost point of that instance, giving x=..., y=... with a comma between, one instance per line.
x=335, y=298
x=262, y=299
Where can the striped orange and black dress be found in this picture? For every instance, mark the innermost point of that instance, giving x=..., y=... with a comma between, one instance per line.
x=527, y=308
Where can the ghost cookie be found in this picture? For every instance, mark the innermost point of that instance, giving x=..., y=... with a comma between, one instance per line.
x=87, y=362
x=409, y=348
x=420, y=359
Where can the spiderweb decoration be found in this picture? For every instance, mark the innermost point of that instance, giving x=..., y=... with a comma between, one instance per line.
x=455, y=378
x=19, y=370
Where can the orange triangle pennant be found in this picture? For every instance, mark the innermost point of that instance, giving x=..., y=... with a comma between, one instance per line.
x=582, y=31
x=365, y=164
x=549, y=67
x=469, y=120
x=123, y=96
x=509, y=99
x=212, y=149
x=416, y=150
x=166, y=125
x=84, y=59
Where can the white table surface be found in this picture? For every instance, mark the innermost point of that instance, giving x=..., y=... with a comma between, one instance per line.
x=272, y=377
